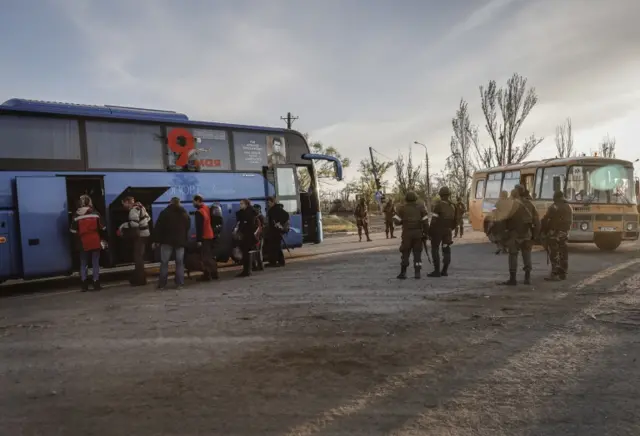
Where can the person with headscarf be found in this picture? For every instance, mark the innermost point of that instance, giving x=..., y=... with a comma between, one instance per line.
x=90, y=231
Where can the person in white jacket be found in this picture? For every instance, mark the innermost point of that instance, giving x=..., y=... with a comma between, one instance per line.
x=136, y=228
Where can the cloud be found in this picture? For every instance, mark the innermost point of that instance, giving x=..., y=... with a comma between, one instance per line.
x=361, y=73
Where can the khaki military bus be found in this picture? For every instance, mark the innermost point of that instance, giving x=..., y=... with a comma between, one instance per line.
x=601, y=191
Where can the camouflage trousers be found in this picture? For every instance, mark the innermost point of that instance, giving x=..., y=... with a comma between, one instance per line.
x=362, y=225
x=524, y=246
x=558, y=252
x=411, y=245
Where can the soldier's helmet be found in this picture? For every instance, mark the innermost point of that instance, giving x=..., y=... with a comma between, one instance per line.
x=444, y=192
x=411, y=197
x=558, y=195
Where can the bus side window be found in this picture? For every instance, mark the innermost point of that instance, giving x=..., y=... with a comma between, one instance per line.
x=480, y=189
x=538, y=184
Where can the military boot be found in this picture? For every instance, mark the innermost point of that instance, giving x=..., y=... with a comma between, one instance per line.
x=416, y=270
x=403, y=273
x=85, y=285
x=436, y=270
x=527, y=277
x=553, y=277
x=445, y=270
x=512, y=280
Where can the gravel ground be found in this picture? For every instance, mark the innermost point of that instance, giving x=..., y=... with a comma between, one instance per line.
x=334, y=345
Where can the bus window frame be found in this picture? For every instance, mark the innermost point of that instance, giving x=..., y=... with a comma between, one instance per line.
x=478, y=181
x=161, y=139
x=564, y=185
x=494, y=177
x=537, y=183
x=510, y=175
x=27, y=164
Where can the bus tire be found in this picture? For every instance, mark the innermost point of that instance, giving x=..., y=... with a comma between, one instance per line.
x=608, y=242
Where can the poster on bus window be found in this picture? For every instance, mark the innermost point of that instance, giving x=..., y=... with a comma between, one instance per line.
x=276, y=151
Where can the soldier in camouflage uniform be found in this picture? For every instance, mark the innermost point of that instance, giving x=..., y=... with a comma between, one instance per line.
x=497, y=228
x=362, y=219
x=440, y=233
x=389, y=211
x=556, y=224
x=460, y=211
x=415, y=226
x=520, y=234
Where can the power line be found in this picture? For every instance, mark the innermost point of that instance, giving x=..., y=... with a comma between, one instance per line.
x=384, y=156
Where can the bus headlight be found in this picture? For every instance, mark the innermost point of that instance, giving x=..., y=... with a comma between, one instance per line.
x=584, y=227
x=629, y=227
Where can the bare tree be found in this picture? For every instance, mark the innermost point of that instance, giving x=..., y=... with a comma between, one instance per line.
x=607, y=147
x=324, y=169
x=515, y=104
x=564, y=139
x=407, y=175
x=460, y=163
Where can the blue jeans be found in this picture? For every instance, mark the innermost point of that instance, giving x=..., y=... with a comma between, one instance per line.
x=95, y=264
x=165, y=254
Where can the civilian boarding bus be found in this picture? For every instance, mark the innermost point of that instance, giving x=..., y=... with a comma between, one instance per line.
x=52, y=153
x=601, y=191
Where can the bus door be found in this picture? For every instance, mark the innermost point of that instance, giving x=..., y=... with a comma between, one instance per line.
x=286, y=189
x=44, y=226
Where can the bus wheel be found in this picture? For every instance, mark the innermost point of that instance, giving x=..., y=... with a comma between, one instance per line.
x=608, y=242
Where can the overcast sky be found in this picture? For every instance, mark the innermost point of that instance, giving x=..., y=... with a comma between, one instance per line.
x=358, y=73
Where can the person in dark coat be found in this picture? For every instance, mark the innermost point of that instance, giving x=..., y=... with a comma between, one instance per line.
x=258, y=264
x=277, y=226
x=245, y=234
x=171, y=233
x=90, y=231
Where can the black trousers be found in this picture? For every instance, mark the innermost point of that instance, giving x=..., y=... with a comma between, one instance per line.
x=273, y=246
x=209, y=263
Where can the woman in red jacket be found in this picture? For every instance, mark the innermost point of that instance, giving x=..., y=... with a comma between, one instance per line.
x=87, y=225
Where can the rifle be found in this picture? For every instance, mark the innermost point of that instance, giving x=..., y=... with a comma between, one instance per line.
x=426, y=250
x=285, y=243
x=544, y=241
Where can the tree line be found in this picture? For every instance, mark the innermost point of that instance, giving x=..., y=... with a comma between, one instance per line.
x=504, y=110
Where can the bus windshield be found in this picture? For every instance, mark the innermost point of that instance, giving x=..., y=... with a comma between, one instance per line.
x=610, y=184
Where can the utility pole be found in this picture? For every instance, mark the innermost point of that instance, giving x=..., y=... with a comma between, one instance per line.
x=289, y=119
x=374, y=169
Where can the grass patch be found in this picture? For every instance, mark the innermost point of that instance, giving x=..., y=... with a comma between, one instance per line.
x=335, y=224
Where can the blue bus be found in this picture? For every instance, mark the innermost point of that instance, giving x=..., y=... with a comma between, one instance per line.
x=52, y=153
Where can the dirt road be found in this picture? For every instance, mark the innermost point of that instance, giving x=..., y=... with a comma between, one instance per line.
x=334, y=345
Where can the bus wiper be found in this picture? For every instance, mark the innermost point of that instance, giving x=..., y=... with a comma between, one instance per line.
x=590, y=199
x=624, y=197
